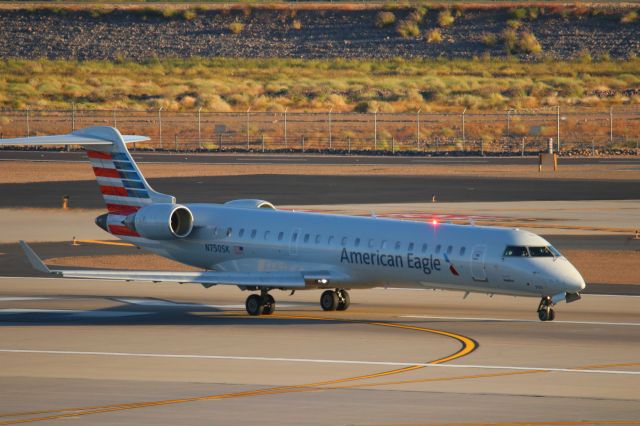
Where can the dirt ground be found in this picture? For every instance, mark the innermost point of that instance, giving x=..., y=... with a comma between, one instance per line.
x=596, y=266
x=23, y=171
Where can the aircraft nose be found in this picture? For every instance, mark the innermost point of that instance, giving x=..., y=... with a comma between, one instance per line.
x=572, y=279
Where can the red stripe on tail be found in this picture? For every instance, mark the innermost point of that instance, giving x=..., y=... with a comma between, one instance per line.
x=113, y=190
x=122, y=209
x=98, y=154
x=102, y=172
x=122, y=230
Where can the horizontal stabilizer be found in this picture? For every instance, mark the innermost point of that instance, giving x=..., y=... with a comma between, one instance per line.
x=99, y=135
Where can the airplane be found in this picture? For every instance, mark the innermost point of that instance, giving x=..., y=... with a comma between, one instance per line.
x=251, y=244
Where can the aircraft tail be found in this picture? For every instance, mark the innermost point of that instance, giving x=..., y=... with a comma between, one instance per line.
x=122, y=185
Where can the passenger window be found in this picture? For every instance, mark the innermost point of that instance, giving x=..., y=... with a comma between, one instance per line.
x=306, y=238
x=411, y=247
x=280, y=236
x=294, y=237
x=424, y=247
x=344, y=241
x=516, y=251
x=438, y=247
x=228, y=232
x=357, y=242
x=449, y=249
x=398, y=245
x=253, y=234
x=462, y=250
x=540, y=252
x=241, y=233
x=318, y=237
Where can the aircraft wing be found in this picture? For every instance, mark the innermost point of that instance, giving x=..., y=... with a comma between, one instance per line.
x=278, y=279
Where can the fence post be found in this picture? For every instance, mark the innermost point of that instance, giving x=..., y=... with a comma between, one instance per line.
x=593, y=147
x=508, y=124
x=464, y=137
x=199, y=129
x=160, y=126
x=393, y=145
x=263, y=142
x=523, y=147
x=28, y=127
x=248, y=110
x=375, y=130
x=558, y=129
x=330, y=141
x=611, y=126
x=175, y=142
x=219, y=141
x=286, y=145
x=73, y=116
x=418, y=129
x=349, y=142
x=302, y=143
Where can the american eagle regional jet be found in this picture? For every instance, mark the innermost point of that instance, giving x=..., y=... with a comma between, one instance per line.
x=253, y=245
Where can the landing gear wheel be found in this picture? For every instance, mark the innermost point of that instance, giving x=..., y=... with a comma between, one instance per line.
x=343, y=300
x=254, y=305
x=545, y=311
x=269, y=305
x=329, y=300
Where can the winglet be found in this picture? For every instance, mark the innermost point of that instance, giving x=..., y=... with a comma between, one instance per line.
x=33, y=258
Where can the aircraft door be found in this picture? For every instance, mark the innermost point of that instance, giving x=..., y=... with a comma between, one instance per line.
x=478, y=271
x=293, y=242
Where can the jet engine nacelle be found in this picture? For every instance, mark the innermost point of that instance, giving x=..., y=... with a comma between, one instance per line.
x=162, y=221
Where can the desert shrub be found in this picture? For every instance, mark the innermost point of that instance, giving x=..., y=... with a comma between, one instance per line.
x=519, y=13
x=445, y=18
x=385, y=19
x=510, y=38
x=629, y=17
x=434, y=36
x=189, y=15
x=528, y=43
x=236, y=27
x=418, y=14
x=489, y=39
x=407, y=28
x=514, y=23
x=584, y=56
x=296, y=24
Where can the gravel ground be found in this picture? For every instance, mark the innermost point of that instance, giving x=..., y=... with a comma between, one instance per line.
x=322, y=34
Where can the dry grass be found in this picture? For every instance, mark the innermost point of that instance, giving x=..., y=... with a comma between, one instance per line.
x=149, y=262
x=434, y=36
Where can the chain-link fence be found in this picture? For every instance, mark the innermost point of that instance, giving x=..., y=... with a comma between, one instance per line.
x=585, y=131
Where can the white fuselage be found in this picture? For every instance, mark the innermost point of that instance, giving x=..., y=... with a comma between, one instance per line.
x=368, y=252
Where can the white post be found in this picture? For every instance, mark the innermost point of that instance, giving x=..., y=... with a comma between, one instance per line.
x=464, y=138
x=330, y=141
x=418, y=129
x=611, y=125
x=248, y=110
x=160, y=126
x=509, y=124
x=28, y=127
x=375, y=130
x=558, y=131
x=73, y=116
x=286, y=144
x=199, y=129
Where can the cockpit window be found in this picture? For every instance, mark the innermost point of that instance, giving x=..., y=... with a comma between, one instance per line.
x=540, y=252
x=516, y=251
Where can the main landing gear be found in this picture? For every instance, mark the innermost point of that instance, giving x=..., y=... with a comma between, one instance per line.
x=337, y=300
x=545, y=310
x=263, y=304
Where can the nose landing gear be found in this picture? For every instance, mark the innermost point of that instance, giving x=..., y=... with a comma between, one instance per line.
x=545, y=310
x=263, y=304
x=337, y=300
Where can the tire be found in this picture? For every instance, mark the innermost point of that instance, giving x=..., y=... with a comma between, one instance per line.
x=552, y=315
x=329, y=300
x=543, y=315
x=269, y=306
x=343, y=304
x=254, y=305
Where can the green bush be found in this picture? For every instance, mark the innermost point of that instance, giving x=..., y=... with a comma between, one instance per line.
x=385, y=19
x=445, y=18
x=434, y=36
x=528, y=43
x=236, y=27
x=407, y=29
